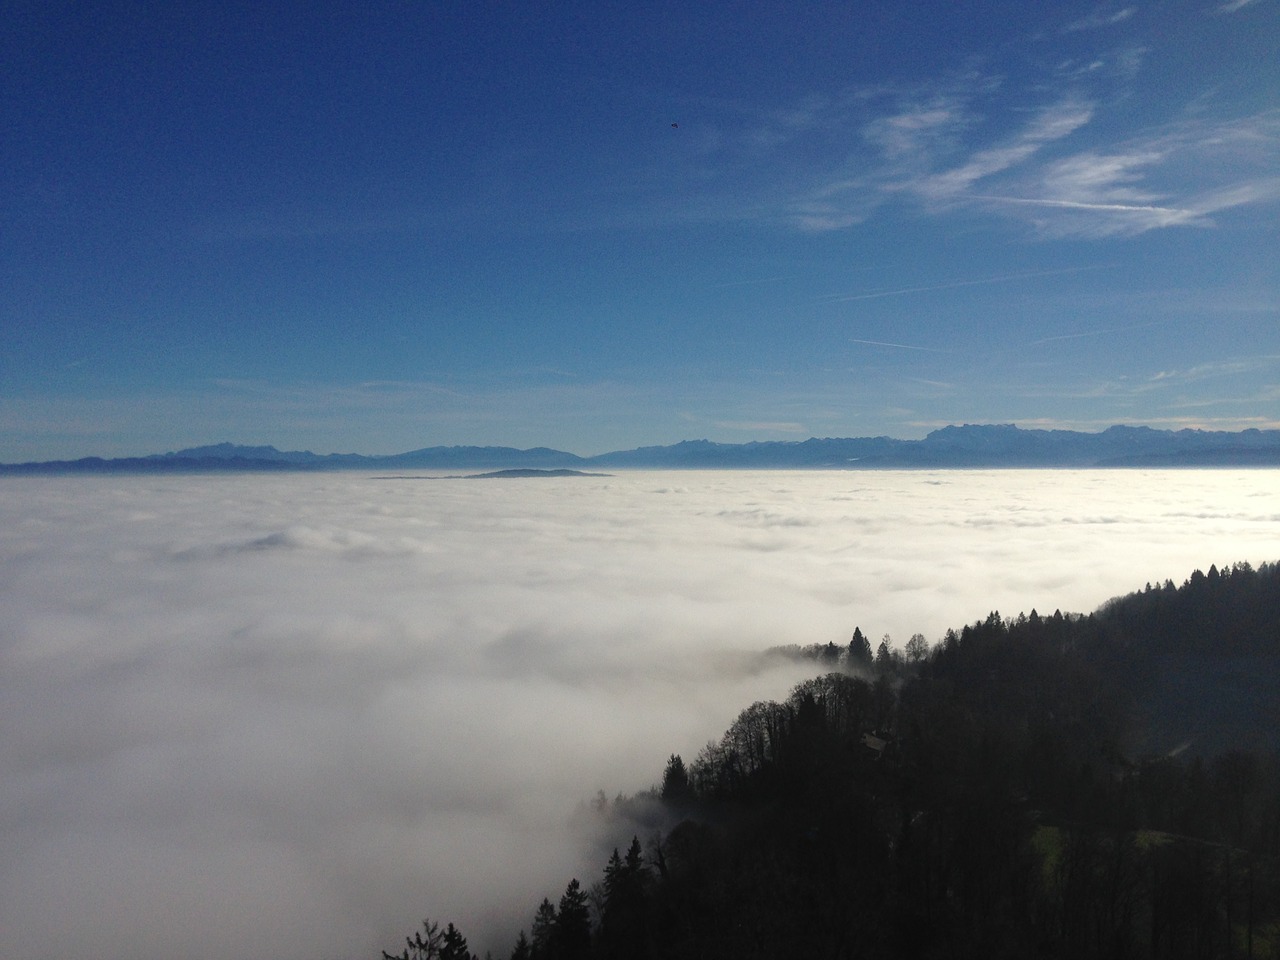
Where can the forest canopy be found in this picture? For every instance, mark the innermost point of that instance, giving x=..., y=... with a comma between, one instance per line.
x=1018, y=788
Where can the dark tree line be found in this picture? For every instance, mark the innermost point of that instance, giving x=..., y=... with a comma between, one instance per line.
x=1235, y=611
x=973, y=798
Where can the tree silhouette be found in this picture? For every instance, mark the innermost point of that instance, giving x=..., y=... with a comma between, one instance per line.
x=542, y=941
x=573, y=924
x=917, y=649
x=624, y=921
x=453, y=945
x=859, y=649
x=979, y=803
x=422, y=946
x=675, y=782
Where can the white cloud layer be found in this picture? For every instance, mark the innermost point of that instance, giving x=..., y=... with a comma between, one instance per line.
x=291, y=716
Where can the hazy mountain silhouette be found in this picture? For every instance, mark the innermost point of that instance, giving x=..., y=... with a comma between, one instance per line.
x=970, y=445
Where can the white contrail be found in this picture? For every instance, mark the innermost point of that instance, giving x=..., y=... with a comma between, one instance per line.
x=960, y=283
x=900, y=346
x=1082, y=205
x=1096, y=333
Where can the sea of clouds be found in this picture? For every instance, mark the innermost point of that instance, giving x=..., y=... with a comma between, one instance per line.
x=290, y=716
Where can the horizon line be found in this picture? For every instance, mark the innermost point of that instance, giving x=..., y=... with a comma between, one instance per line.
x=235, y=449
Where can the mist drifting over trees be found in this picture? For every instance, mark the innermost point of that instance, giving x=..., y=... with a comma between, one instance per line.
x=326, y=707
x=978, y=798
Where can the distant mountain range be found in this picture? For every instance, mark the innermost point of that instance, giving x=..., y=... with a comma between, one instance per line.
x=971, y=445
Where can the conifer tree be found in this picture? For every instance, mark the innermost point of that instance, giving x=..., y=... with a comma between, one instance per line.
x=573, y=924
x=542, y=944
x=613, y=884
x=859, y=649
x=675, y=781
x=884, y=656
x=453, y=945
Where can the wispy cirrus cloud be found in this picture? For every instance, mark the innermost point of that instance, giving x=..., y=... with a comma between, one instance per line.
x=1100, y=19
x=1053, y=123
x=1049, y=154
x=953, y=285
x=919, y=130
x=1244, y=384
x=1234, y=5
x=1214, y=369
x=1178, y=176
x=1120, y=65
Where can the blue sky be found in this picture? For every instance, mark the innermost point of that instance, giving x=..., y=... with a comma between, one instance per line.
x=381, y=226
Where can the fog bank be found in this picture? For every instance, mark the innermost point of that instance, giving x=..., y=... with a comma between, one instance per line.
x=291, y=716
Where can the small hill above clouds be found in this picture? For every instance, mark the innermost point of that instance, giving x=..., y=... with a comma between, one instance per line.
x=494, y=457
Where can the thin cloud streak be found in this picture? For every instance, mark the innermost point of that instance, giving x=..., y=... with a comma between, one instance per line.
x=1168, y=214
x=956, y=284
x=1235, y=5
x=1096, y=333
x=899, y=346
x=1099, y=20
x=1217, y=368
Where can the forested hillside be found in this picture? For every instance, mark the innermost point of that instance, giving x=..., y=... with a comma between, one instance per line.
x=980, y=797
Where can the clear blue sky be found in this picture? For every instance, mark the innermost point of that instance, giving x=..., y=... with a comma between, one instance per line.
x=379, y=226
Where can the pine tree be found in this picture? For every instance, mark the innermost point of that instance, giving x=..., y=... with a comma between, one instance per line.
x=859, y=649
x=624, y=931
x=637, y=872
x=573, y=924
x=543, y=944
x=453, y=945
x=614, y=881
x=675, y=781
